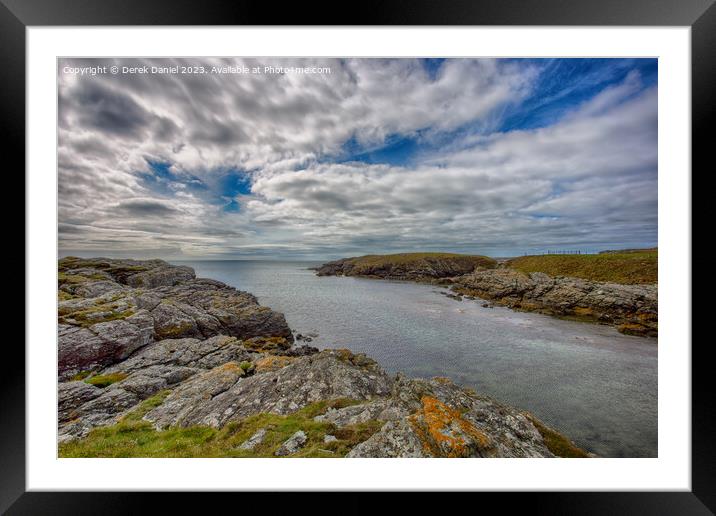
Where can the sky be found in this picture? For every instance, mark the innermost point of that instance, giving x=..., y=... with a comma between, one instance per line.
x=348, y=157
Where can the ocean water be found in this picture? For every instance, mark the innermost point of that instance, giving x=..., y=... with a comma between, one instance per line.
x=597, y=386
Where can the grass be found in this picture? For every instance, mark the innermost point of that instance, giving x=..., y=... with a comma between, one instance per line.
x=97, y=314
x=556, y=442
x=64, y=296
x=81, y=376
x=370, y=261
x=630, y=268
x=133, y=437
x=105, y=380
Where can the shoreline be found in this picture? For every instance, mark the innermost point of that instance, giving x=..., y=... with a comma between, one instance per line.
x=632, y=309
x=152, y=379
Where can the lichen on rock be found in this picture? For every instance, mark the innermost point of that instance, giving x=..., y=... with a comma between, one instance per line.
x=170, y=356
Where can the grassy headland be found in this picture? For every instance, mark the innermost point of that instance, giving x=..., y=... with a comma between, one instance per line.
x=633, y=267
x=380, y=260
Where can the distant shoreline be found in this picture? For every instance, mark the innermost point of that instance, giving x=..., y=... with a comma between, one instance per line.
x=612, y=288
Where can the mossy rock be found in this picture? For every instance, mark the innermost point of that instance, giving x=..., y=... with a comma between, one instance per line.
x=105, y=380
x=134, y=437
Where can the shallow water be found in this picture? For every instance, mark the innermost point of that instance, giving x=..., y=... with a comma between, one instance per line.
x=597, y=386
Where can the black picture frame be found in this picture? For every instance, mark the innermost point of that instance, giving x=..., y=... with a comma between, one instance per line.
x=17, y=15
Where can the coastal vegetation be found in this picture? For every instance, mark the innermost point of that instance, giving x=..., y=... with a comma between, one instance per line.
x=105, y=380
x=134, y=437
x=627, y=268
x=370, y=261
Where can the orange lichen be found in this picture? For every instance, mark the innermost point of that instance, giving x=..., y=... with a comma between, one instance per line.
x=266, y=344
x=444, y=433
x=228, y=367
x=580, y=310
x=272, y=363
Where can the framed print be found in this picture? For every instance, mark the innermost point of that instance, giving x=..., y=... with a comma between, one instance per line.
x=422, y=250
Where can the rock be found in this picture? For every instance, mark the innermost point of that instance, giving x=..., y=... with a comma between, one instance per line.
x=118, y=306
x=272, y=363
x=327, y=375
x=299, y=351
x=395, y=439
x=187, y=402
x=447, y=421
x=383, y=410
x=170, y=322
x=410, y=266
x=225, y=336
x=71, y=395
x=161, y=276
x=161, y=365
x=632, y=308
x=253, y=441
x=204, y=354
x=292, y=444
x=79, y=350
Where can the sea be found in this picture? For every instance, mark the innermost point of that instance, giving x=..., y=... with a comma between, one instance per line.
x=593, y=384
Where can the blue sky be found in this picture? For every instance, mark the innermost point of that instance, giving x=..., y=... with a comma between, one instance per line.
x=500, y=157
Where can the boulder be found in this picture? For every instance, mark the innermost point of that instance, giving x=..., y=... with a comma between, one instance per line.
x=328, y=375
x=111, y=308
x=292, y=444
x=632, y=308
x=253, y=441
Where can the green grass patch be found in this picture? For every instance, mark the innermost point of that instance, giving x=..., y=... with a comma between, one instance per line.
x=81, y=376
x=630, y=268
x=372, y=261
x=64, y=278
x=105, y=380
x=101, y=312
x=133, y=437
x=64, y=296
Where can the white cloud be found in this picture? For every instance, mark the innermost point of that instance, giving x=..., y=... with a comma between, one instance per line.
x=588, y=179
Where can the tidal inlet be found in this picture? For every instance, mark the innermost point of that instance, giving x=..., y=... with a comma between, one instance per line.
x=343, y=258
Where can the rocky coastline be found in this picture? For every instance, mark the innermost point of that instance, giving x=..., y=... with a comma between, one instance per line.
x=632, y=309
x=153, y=361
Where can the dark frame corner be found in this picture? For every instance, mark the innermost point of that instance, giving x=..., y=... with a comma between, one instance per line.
x=700, y=15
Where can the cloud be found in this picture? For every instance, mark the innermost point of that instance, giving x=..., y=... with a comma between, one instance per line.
x=146, y=208
x=260, y=165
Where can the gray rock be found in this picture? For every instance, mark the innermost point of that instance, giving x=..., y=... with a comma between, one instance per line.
x=97, y=288
x=328, y=375
x=170, y=322
x=632, y=308
x=253, y=441
x=161, y=276
x=395, y=439
x=383, y=410
x=292, y=444
x=203, y=354
x=107, y=320
x=71, y=395
x=328, y=438
x=187, y=403
x=79, y=349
